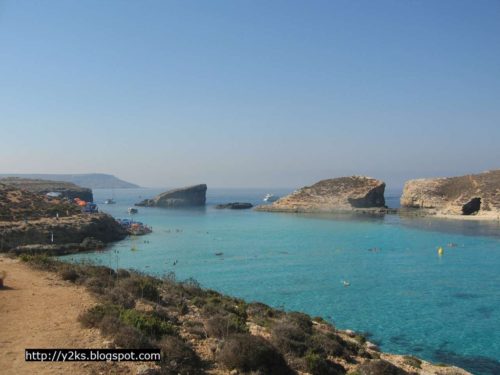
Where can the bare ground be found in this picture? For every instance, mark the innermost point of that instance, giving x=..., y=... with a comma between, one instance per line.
x=38, y=310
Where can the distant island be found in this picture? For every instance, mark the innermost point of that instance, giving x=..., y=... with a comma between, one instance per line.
x=88, y=180
x=342, y=194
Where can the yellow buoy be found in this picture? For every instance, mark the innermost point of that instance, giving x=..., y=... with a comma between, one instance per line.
x=440, y=251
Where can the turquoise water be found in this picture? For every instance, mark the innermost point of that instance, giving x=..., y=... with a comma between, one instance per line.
x=406, y=297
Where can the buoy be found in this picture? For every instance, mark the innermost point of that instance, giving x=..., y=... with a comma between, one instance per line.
x=440, y=251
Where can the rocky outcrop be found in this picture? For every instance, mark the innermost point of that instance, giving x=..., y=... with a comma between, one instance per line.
x=184, y=197
x=356, y=193
x=477, y=194
x=38, y=186
x=235, y=206
x=65, y=230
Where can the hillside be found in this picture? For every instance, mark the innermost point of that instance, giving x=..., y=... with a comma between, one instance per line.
x=88, y=180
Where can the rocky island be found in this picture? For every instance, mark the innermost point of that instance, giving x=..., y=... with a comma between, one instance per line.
x=190, y=196
x=343, y=194
x=476, y=195
x=234, y=206
x=64, y=189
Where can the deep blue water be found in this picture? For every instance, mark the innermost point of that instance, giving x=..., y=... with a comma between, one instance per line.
x=410, y=300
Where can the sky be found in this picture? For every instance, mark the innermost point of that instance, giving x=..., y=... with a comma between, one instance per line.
x=239, y=93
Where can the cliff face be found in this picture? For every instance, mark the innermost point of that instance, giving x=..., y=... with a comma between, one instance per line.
x=67, y=230
x=66, y=189
x=477, y=194
x=337, y=194
x=184, y=197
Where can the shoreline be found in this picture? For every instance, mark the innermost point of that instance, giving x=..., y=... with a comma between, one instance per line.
x=80, y=299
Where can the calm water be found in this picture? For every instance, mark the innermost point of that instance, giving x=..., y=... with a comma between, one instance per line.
x=444, y=309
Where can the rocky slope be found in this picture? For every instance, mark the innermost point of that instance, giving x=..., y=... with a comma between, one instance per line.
x=28, y=218
x=476, y=194
x=201, y=331
x=337, y=194
x=184, y=197
x=66, y=189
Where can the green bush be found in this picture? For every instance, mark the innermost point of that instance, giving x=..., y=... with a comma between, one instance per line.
x=317, y=364
x=149, y=323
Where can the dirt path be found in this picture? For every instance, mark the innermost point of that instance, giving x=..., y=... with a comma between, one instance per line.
x=39, y=310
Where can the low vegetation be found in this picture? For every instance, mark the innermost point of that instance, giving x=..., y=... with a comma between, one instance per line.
x=200, y=330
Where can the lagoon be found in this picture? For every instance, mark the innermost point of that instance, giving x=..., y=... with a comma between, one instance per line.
x=402, y=294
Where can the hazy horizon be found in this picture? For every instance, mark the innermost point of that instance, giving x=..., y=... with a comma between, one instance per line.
x=250, y=94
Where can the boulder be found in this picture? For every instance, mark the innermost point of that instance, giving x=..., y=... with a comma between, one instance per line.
x=356, y=193
x=235, y=206
x=184, y=197
x=476, y=194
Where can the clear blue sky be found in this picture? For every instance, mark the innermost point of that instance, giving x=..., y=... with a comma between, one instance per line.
x=250, y=93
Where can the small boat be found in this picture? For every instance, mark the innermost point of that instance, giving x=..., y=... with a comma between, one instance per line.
x=109, y=201
x=132, y=210
x=270, y=198
x=346, y=283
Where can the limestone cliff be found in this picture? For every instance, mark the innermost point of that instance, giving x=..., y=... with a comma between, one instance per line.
x=184, y=197
x=332, y=195
x=476, y=194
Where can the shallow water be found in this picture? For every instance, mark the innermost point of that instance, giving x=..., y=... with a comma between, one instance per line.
x=410, y=300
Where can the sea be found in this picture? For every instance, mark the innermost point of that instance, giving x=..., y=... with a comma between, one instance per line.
x=403, y=295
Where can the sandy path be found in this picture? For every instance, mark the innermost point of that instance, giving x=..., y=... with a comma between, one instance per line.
x=39, y=310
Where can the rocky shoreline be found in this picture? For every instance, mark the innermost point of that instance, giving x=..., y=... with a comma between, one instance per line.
x=201, y=331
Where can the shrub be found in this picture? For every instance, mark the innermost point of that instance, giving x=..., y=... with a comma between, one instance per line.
x=149, y=323
x=178, y=357
x=69, y=274
x=120, y=296
x=289, y=338
x=41, y=261
x=222, y=326
x=318, y=365
x=252, y=353
x=326, y=344
x=131, y=338
x=303, y=321
x=379, y=367
x=412, y=361
x=122, y=274
x=93, y=316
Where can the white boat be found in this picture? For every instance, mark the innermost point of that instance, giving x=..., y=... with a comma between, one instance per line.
x=132, y=210
x=109, y=201
x=271, y=198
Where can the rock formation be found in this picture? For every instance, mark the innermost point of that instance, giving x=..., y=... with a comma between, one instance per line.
x=477, y=194
x=66, y=230
x=65, y=189
x=235, y=206
x=356, y=193
x=28, y=218
x=184, y=197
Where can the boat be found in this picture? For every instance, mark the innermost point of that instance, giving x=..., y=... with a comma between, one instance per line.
x=109, y=201
x=271, y=198
x=132, y=210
